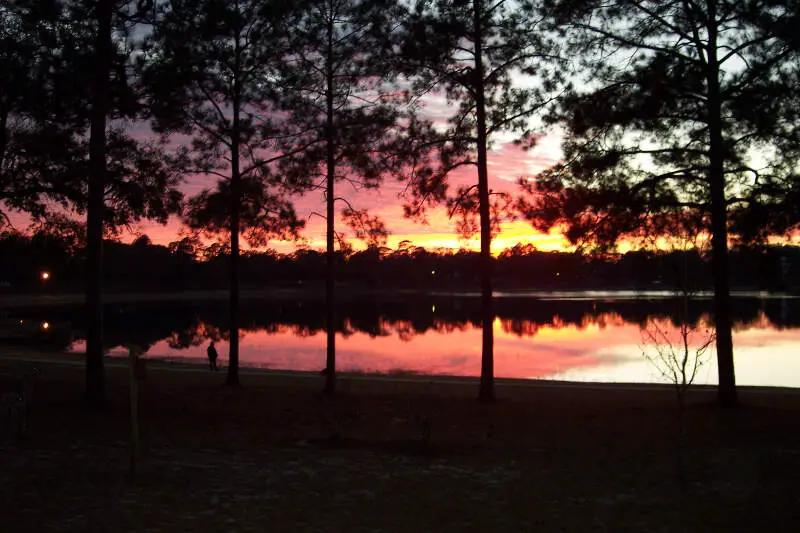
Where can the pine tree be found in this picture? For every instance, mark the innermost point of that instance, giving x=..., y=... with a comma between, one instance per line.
x=339, y=93
x=673, y=117
x=476, y=52
x=52, y=50
x=211, y=71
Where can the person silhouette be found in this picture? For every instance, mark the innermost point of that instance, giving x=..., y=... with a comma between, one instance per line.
x=212, y=357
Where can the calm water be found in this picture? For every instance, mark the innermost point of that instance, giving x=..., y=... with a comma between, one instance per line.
x=575, y=336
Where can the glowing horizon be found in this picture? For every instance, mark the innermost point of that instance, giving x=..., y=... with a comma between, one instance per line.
x=429, y=237
x=507, y=163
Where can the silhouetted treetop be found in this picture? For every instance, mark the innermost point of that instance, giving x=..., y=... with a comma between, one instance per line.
x=637, y=149
x=264, y=215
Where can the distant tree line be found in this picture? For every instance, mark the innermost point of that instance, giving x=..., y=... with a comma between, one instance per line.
x=187, y=264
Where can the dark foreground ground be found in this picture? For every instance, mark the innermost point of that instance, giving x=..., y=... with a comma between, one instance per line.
x=404, y=456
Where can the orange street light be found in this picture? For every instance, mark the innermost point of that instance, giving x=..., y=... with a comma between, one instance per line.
x=45, y=325
x=45, y=276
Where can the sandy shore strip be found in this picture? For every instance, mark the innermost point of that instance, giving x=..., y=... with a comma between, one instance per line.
x=16, y=356
x=389, y=453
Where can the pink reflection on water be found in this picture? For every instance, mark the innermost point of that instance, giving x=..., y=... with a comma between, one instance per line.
x=605, y=348
x=442, y=351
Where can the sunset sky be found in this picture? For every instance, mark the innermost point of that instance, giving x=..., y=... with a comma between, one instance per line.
x=507, y=163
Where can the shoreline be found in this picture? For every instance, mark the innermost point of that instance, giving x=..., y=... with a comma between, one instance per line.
x=75, y=359
x=22, y=300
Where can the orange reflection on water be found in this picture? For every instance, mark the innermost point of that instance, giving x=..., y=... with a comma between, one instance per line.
x=602, y=348
x=522, y=349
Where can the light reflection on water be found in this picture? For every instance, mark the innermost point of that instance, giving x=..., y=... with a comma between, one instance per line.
x=601, y=348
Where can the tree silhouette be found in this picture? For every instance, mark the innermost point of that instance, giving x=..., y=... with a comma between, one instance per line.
x=473, y=49
x=57, y=150
x=336, y=80
x=664, y=124
x=211, y=71
x=38, y=115
x=771, y=106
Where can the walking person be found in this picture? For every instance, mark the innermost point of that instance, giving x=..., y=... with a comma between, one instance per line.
x=212, y=357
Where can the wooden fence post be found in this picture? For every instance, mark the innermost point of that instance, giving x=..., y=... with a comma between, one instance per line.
x=136, y=373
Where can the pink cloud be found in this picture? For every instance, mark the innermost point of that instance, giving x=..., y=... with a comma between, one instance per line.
x=507, y=163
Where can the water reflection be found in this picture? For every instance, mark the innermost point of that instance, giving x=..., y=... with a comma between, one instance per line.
x=575, y=339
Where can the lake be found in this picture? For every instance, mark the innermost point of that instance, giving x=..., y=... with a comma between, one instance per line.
x=575, y=336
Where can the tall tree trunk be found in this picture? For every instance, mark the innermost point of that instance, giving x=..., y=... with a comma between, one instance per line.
x=330, y=257
x=3, y=138
x=235, y=205
x=95, y=378
x=233, y=273
x=719, y=222
x=486, y=391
